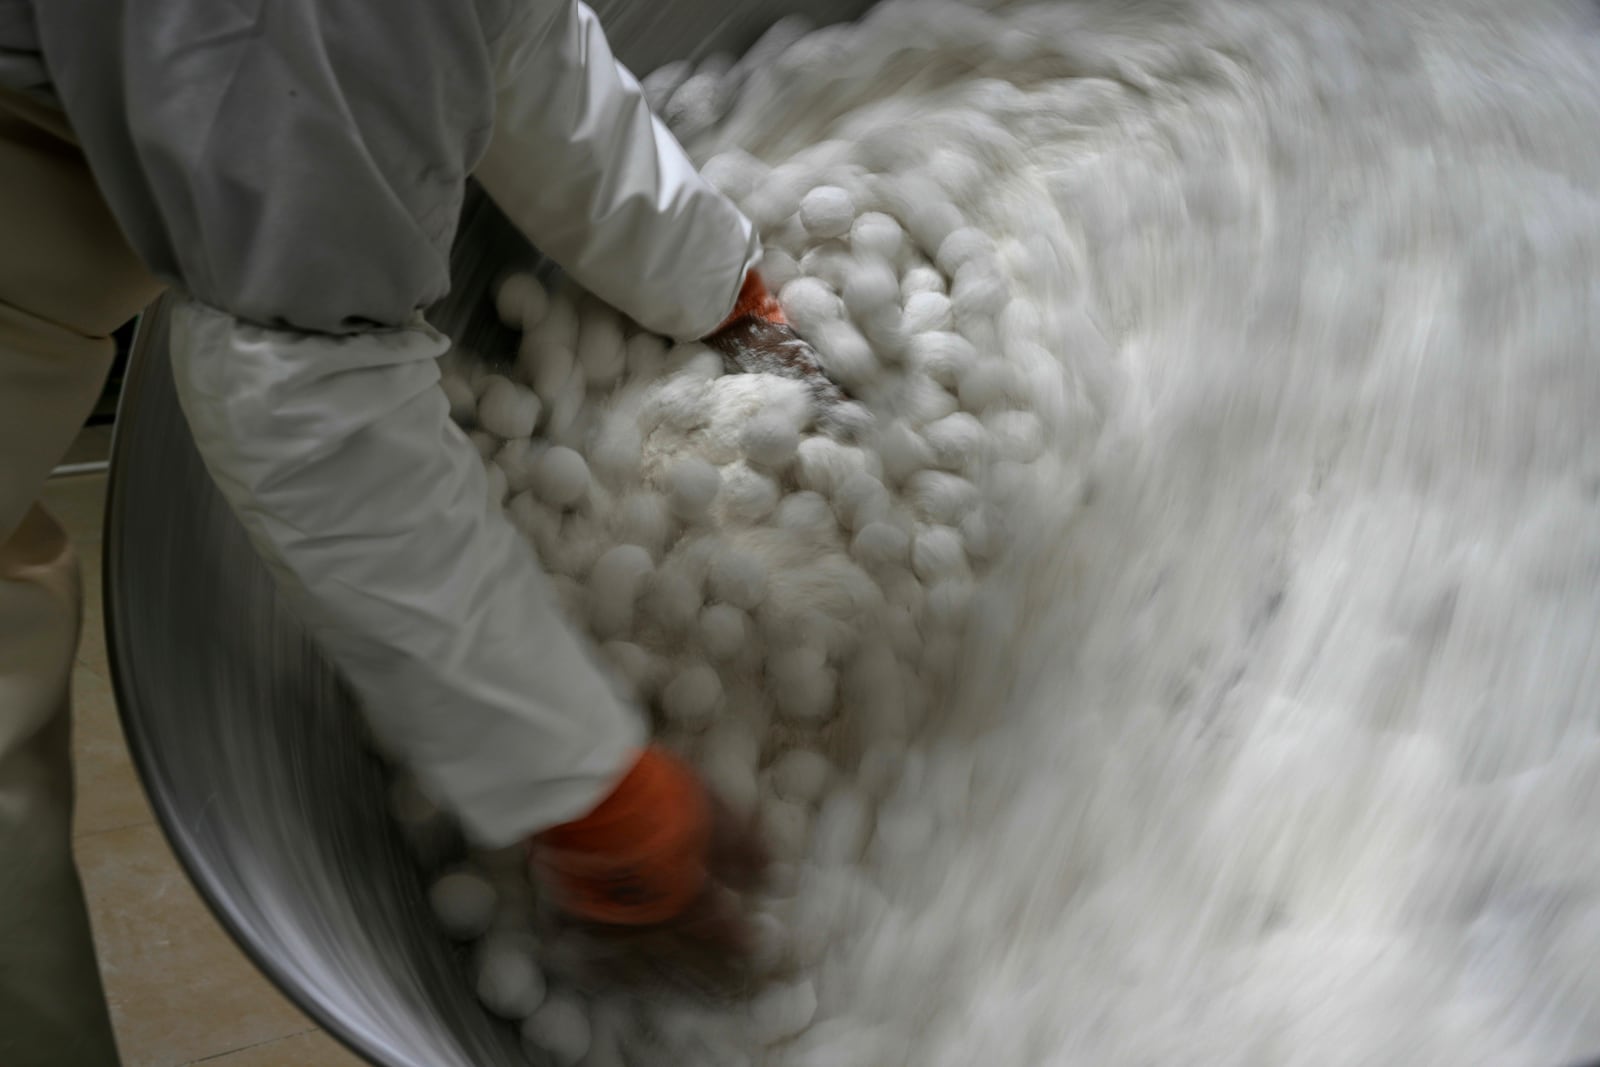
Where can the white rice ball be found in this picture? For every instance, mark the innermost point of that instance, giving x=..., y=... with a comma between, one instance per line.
x=941, y=497
x=692, y=486
x=464, y=903
x=615, y=582
x=521, y=301
x=824, y=465
x=693, y=697
x=958, y=440
x=870, y=288
x=644, y=519
x=926, y=312
x=509, y=982
x=778, y=268
x=845, y=354
x=507, y=409
x=860, y=499
x=875, y=235
x=734, y=173
x=747, y=495
x=842, y=827
x=921, y=278
x=616, y=452
x=801, y=683
x=944, y=357
x=601, y=352
x=948, y=601
x=643, y=669
x=1018, y=435
x=727, y=759
x=770, y=440
x=559, y=1029
x=923, y=401
x=800, y=775
x=989, y=384
x=519, y=459
x=550, y=372
x=827, y=211
x=782, y=1012
x=806, y=512
x=785, y=826
x=979, y=290
x=724, y=630
x=937, y=553
x=879, y=544
x=964, y=246
x=738, y=578
x=672, y=599
x=903, y=451
x=562, y=477
x=980, y=533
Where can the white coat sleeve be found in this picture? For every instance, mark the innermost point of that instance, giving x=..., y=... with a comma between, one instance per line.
x=369, y=505
x=581, y=166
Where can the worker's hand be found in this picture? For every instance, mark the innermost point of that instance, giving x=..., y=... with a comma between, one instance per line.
x=758, y=339
x=648, y=884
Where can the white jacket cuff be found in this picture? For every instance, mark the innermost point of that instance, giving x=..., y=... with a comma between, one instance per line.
x=369, y=505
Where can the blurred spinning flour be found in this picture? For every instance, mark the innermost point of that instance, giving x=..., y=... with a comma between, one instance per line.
x=1200, y=661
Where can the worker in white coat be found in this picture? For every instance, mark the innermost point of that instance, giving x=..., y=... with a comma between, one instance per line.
x=295, y=170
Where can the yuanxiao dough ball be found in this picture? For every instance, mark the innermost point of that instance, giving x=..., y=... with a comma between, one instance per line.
x=560, y=1030
x=770, y=440
x=827, y=211
x=601, y=352
x=800, y=775
x=945, y=357
x=521, y=301
x=781, y=1012
x=509, y=981
x=507, y=409
x=693, y=697
x=463, y=902
x=724, y=630
x=747, y=495
x=802, y=684
x=808, y=303
x=875, y=235
x=880, y=544
x=941, y=497
x=860, y=499
x=614, y=584
x=562, y=478
x=958, y=440
x=962, y=247
x=692, y=486
x=738, y=578
x=937, y=553
x=926, y=312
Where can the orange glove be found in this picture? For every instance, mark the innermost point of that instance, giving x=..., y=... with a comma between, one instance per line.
x=640, y=858
x=758, y=339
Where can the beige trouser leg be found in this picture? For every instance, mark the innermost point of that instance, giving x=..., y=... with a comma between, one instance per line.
x=67, y=280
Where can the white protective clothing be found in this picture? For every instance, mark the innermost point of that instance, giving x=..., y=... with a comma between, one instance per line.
x=297, y=168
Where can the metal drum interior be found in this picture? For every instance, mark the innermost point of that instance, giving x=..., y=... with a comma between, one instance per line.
x=254, y=759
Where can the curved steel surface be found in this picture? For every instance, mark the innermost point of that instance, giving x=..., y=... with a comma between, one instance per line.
x=253, y=757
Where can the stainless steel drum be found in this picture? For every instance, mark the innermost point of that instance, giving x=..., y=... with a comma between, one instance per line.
x=252, y=755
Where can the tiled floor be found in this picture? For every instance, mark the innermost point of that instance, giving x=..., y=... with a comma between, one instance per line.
x=180, y=990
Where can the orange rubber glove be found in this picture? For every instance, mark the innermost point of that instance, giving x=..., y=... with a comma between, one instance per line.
x=758, y=339
x=641, y=857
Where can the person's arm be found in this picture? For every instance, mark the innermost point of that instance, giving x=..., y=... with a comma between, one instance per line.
x=579, y=164
x=297, y=168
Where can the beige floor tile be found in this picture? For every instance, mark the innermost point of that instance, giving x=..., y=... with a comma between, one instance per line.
x=92, y=642
x=77, y=502
x=180, y=990
x=109, y=794
x=314, y=1049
